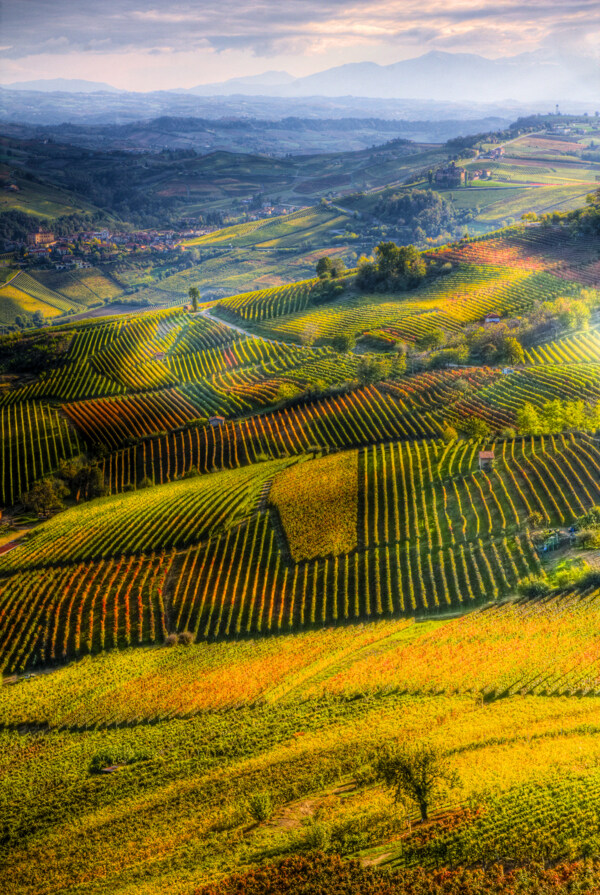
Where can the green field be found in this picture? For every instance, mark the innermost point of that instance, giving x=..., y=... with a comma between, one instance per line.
x=43, y=200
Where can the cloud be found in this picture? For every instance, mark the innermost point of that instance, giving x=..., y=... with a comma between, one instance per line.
x=145, y=45
x=264, y=27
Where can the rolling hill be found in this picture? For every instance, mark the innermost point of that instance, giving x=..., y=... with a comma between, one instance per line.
x=248, y=550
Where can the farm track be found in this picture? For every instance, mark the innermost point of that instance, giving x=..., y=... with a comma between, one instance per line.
x=239, y=329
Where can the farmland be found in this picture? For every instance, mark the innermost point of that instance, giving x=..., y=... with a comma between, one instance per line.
x=291, y=529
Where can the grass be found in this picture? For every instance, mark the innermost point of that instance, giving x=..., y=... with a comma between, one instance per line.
x=318, y=505
x=177, y=814
x=85, y=287
x=43, y=200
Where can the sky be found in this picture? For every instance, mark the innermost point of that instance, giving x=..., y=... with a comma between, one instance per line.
x=146, y=45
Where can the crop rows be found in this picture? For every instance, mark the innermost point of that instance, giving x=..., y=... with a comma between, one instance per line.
x=265, y=304
x=86, y=286
x=179, y=514
x=91, y=338
x=28, y=284
x=537, y=818
x=421, y=492
x=542, y=647
x=130, y=358
x=494, y=251
x=360, y=417
x=193, y=366
x=237, y=583
x=61, y=612
x=203, y=333
x=71, y=382
x=535, y=385
x=461, y=297
x=33, y=440
x=112, y=421
x=581, y=348
x=243, y=390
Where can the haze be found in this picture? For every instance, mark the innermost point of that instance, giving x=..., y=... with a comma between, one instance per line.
x=143, y=46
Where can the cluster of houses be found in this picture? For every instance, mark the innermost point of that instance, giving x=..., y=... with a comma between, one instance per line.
x=495, y=153
x=70, y=251
x=480, y=174
x=267, y=210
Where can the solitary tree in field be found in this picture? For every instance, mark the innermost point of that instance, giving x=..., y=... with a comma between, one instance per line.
x=416, y=773
x=194, y=294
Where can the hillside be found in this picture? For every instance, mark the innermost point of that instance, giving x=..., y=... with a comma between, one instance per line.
x=281, y=533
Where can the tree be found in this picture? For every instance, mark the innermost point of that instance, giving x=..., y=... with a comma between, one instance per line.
x=343, y=342
x=372, y=369
x=476, y=427
x=514, y=351
x=397, y=367
x=45, y=496
x=337, y=267
x=287, y=391
x=95, y=484
x=194, y=294
x=528, y=420
x=417, y=772
x=449, y=434
x=324, y=267
x=38, y=318
x=432, y=339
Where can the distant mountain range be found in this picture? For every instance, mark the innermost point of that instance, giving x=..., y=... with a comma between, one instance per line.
x=455, y=77
x=64, y=85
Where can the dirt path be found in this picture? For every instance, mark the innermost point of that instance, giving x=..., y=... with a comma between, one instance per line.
x=245, y=332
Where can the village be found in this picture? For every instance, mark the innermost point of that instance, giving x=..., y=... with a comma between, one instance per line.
x=84, y=248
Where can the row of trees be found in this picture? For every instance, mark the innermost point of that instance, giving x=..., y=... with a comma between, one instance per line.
x=557, y=416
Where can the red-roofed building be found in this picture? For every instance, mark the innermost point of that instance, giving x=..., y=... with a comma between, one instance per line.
x=486, y=459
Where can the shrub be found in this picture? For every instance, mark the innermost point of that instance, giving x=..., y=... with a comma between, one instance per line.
x=534, y=586
x=317, y=836
x=260, y=806
x=588, y=538
x=185, y=638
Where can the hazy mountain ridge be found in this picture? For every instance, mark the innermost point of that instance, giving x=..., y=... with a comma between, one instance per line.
x=64, y=85
x=434, y=75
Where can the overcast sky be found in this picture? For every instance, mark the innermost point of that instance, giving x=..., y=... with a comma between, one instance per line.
x=146, y=45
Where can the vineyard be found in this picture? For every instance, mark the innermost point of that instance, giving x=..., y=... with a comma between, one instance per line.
x=463, y=296
x=181, y=513
x=418, y=528
x=33, y=441
x=295, y=537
